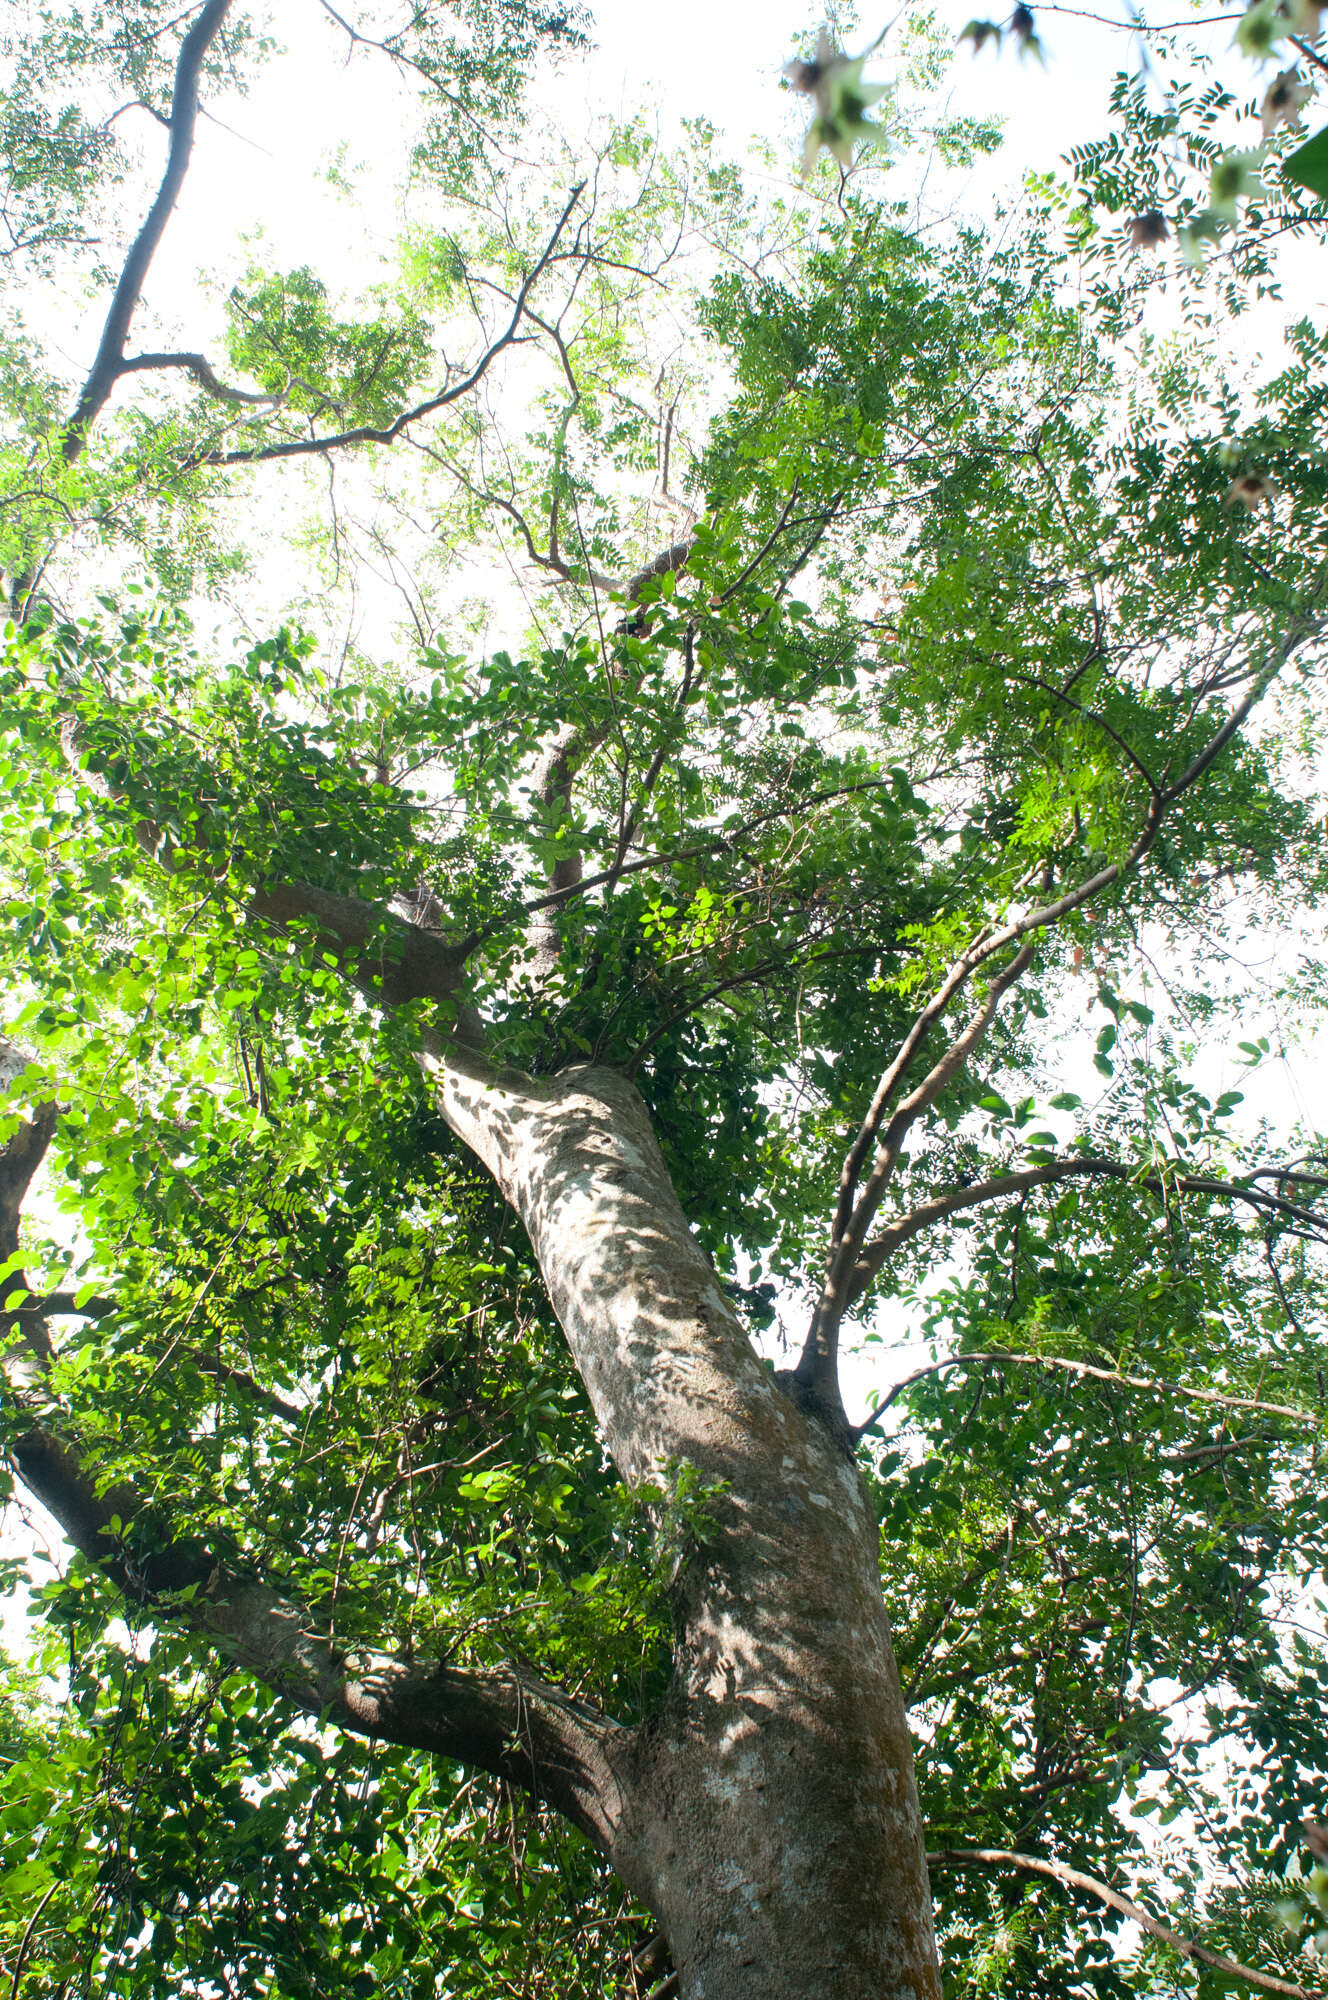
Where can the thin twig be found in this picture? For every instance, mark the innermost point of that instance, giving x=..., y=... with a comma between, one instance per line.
x=997, y=1356
x=875, y=1254
x=26, y=1939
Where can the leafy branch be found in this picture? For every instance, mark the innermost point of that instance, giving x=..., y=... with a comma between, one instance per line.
x=1306, y=1221
x=1074, y=1878
x=870, y=1163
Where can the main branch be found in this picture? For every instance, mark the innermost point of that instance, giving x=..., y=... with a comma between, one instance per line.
x=505, y=1721
x=109, y=363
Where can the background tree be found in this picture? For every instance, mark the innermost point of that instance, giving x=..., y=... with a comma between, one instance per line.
x=449, y=1069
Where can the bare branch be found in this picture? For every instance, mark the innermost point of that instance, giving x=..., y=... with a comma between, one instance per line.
x=1074, y=1878
x=404, y=61
x=553, y=562
x=205, y=375
x=108, y=364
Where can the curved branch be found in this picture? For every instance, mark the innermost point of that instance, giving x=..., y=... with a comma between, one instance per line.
x=205, y=375
x=404, y=960
x=1263, y=681
x=504, y=1721
x=389, y=433
x=995, y=1356
x=749, y=570
x=1091, y=715
x=1074, y=1878
x=877, y=1253
x=28, y=1930
x=108, y=364
x=390, y=958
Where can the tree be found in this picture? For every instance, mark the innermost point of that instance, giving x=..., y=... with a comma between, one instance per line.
x=451, y=1068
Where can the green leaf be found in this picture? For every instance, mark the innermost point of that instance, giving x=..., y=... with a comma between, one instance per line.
x=1308, y=164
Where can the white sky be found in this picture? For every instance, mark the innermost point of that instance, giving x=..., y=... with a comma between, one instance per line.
x=723, y=62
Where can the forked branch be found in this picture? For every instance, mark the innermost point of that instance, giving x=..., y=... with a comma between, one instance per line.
x=389, y=433
x=390, y=956
x=1304, y=1220
x=109, y=362
x=817, y=1368
x=876, y=1148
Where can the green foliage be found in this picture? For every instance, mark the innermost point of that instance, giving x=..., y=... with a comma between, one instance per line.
x=1309, y=165
x=170, y=1833
x=283, y=336
x=964, y=591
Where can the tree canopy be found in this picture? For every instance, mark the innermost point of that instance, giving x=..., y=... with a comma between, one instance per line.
x=841, y=677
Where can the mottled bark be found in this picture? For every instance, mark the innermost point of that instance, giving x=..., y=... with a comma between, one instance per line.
x=770, y=1816
x=766, y=1811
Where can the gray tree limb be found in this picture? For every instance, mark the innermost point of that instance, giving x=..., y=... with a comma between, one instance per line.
x=1074, y=1878
x=1076, y=1167
x=108, y=364
x=504, y=1721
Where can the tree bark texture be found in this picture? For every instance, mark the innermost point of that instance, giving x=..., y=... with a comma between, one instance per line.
x=767, y=1812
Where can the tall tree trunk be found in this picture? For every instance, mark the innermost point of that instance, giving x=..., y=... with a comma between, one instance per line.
x=769, y=1814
